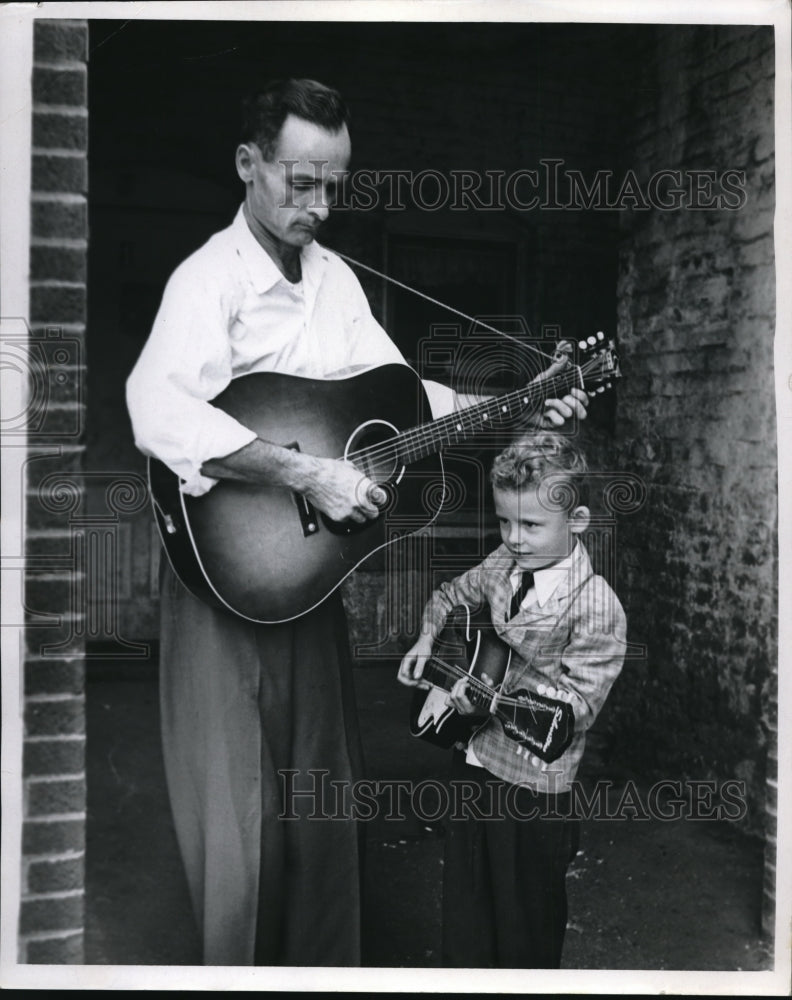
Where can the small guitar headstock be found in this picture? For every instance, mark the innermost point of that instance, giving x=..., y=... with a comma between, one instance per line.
x=598, y=363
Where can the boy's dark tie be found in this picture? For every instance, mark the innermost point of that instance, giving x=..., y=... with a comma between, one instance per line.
x=525, y=584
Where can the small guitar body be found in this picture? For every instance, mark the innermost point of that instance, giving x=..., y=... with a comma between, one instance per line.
x=469, y=646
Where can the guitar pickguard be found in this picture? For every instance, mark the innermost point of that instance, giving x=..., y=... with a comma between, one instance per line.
x=435, y=708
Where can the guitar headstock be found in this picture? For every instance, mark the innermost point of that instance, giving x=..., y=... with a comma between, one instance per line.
x=598, y=363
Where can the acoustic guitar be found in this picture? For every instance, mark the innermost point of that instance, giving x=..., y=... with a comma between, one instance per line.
x=468, y=646
x=263, y=552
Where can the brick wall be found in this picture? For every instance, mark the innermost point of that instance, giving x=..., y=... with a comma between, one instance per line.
x=53, y=844
x=696, y=292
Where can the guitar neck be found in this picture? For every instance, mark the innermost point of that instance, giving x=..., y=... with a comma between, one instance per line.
x=543, y=725
x=438, y=672
x=455, y=428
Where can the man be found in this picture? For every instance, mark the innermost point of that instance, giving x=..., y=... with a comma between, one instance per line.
x=241, y=702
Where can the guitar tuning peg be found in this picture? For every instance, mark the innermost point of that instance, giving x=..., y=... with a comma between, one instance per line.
x=600, y=335
x=518, y=750
x=601, y=388
x=591, y=393
x=592, y=341
x=582, y=345
x=535, y=761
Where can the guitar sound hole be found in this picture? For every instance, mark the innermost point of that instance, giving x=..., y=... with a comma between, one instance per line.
x=372, y=449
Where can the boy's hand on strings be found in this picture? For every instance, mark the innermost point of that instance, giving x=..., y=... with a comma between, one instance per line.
x=460, y=701
x=412, y=665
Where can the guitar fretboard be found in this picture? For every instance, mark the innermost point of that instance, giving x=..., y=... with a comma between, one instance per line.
x=438, y=672
x=419, y=442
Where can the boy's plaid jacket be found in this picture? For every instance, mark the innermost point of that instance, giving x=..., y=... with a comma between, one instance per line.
x=576, y=642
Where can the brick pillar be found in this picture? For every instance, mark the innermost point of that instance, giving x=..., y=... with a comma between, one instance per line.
x=770, y=720
x=53, y=837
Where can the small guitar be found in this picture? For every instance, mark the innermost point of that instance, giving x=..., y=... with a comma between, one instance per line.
x=468, y=645
x=263, y=552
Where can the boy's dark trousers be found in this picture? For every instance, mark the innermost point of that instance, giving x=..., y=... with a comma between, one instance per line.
x=504, y=877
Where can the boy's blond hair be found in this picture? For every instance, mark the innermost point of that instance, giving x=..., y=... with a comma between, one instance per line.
x=543, y=456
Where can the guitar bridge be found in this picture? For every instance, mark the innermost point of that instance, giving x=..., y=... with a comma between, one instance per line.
x=308, y=518
x=307, y=514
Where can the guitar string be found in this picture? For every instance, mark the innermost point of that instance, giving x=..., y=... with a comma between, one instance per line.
x=443, y=305
x=446, y=427
x=465, y=419
x=482, y=688
x=452, y=421
x=536, y=388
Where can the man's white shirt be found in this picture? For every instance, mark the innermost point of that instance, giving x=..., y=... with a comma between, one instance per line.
x=227, y=310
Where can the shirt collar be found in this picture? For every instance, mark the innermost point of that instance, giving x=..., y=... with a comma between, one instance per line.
x=263, y=270
x=313, y=261
x=547, y=580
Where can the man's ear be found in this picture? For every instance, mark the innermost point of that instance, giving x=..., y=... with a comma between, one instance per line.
x=579, y=520
x=245, y=162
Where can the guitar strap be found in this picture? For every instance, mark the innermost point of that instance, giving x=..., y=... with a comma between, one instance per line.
x=414, y=291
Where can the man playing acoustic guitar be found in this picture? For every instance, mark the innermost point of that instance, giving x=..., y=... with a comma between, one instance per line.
x=243, y=702
x=504, y=895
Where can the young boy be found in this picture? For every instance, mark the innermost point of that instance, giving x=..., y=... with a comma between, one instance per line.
x=504, y=892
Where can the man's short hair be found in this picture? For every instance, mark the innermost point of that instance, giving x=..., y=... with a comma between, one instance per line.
x=544, y=457
x=264, y=112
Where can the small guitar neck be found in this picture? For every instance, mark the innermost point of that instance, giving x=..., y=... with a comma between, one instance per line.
x=438, y=673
